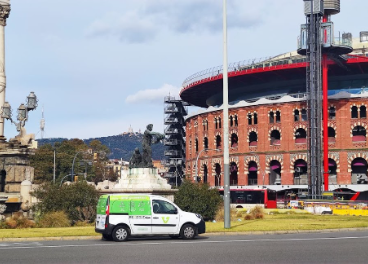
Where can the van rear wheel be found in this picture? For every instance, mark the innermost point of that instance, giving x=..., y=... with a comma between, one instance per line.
x=120, y=233
x=188, y=231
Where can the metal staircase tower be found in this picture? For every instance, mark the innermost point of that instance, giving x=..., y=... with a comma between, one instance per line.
x=174, y=141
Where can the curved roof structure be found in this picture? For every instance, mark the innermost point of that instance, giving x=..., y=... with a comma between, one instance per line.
x=273, y=77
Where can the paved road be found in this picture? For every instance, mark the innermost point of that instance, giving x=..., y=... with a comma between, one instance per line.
x=329, y=247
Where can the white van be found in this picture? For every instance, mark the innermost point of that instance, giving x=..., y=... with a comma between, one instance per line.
x=120, y=216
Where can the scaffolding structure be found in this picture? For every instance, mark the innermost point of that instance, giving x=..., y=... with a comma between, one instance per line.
x=175, y=110
x=314, y=14
x=318, y=44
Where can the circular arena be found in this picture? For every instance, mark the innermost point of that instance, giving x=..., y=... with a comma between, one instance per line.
x=268, y=123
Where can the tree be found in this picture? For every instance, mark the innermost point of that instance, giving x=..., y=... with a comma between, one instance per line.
x=198, y=198
x=78, y=200
x=43, y=160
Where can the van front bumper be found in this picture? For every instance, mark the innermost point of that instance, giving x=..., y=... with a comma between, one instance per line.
x=201, y=227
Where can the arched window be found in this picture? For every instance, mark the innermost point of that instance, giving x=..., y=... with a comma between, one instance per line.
x=300, y=172
x=234, y=140
x=304, y=114
x=217, y=174
x=218, y=142
x=255, y=119
x=331, y=112
x=231, y=121
x=252, y=173
x=236, y=120
x=272, y=118
x=296, y=115
x=275, y=172
x=363, y=111
x=233, y=174
x=300, y=136
x=359, y=171
x=249, y=119
x=332, y=171
x=278, y=117
x=331, y=135
x=205, y=173
x=219, y=122
x=205, y=143
x=354, y=112
x=359, y=134
x=196, y=144
x=253, y=138
x=275, y=138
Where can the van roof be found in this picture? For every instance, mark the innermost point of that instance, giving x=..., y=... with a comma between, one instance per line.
x=132, y=194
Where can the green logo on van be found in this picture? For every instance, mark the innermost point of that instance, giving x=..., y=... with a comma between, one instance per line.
x=165, y=219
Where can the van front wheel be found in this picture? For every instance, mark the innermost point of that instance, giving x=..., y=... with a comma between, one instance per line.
x=120, y=233
x=188, y=232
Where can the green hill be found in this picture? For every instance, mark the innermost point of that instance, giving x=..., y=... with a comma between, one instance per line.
x=121, y=146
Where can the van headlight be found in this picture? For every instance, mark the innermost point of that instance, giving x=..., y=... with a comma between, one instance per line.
x=199, y=216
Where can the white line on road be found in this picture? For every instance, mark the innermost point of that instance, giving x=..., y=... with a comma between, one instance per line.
x=40, y=245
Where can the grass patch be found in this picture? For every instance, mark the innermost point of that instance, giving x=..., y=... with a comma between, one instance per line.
x=49, y=232
x=292, y=222
x=275, y=222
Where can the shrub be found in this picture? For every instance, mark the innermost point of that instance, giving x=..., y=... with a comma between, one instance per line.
x=259, y=216
x=17, y=220
x=198, y=198
x=83, y=223
x=257, y=212
x=220, y=214
x=54, y=219
x=248, y=217
x=78, y=200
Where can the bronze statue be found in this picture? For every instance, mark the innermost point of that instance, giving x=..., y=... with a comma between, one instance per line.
x=145, y=160
x=136, y=159
x=149, y=138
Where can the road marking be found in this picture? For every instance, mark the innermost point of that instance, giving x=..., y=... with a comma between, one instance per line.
x=40, y=245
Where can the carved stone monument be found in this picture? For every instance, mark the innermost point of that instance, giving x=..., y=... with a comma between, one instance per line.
x=142, y=177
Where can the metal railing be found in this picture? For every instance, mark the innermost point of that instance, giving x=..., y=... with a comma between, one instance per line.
x=264, y=63
x=244, y=65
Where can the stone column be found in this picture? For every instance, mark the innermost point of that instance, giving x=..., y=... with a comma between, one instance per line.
x=4, y=14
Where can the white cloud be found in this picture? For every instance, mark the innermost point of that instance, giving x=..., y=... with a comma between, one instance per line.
x=153, y=95
x=142, y=24
x=130, y=27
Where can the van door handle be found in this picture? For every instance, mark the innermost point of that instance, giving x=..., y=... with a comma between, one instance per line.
x=155, y=217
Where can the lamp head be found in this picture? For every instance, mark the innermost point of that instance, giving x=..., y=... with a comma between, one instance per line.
x=6, y=111
x=31, y=101
x=22, y=112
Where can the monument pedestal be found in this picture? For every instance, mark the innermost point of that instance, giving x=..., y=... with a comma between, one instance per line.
x=141, y=180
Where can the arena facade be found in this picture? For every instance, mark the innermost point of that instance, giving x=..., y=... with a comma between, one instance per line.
x=268, y=123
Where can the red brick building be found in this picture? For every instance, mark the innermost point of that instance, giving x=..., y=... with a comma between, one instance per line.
x=268, y=123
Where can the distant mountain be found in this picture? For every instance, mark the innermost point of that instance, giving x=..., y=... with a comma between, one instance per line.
x=121, y=146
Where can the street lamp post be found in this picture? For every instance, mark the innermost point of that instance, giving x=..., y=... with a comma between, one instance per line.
x=4, y=14
x=196, y=165
x=75, y=156
x=54, y=172
x=22, y=116
x=225, y=112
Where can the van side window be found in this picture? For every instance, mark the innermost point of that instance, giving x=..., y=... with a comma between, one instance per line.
x=163, y=207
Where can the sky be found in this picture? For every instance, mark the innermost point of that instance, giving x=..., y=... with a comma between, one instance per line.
x=99, y=67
